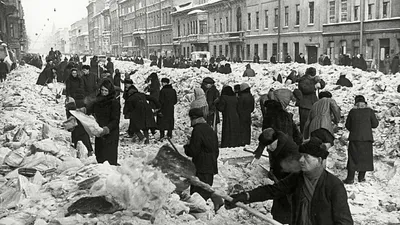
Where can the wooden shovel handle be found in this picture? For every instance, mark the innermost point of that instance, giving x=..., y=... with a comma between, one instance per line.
x=195, y=181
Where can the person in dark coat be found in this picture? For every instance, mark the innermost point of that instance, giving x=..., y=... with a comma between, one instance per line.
x=343, y=81
x=203, y=148
x=300, y=58
x=317, y=196
x=154, y=87
x=3, y=70
x=91, y=82
x=308, y=84
x=394, y=66
x=327, y=61
x=227, y=68
x=110, y=66
x=360, y=121
x=288, y=59
x=107, y=112
x=273, y=59
x=256, y=58
x=359, y=62
x=245, y=108
x=281, y=151
x=60, y=70
x=227, y=104
x=249, y=72
x=67, y=71
x=117, y=81
x=139, y=111
x=292, y=78
x=165, y=117
x=46, y=75
x=200, y=102
x=279, y=119
x=211, y=95
x=94, y=66
x=75, y=88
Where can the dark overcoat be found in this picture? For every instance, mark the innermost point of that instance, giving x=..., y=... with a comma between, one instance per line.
x=230, y=121
x=245, y=108
x=168, y=99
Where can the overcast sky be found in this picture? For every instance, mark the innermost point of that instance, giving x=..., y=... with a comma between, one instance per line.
x=40, y=15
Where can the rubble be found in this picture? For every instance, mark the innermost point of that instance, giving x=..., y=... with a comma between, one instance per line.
x=33, y=138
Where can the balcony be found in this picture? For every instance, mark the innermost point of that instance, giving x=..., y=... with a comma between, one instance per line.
x=195, y=39
x=235, y=36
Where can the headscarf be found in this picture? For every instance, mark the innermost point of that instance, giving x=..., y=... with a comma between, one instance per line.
x=200, y=99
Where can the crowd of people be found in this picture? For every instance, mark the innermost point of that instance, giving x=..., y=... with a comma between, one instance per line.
x=304, y=192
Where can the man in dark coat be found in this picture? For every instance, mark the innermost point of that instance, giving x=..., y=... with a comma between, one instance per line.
x=300, y=58
x=343, y=81
x=60, y=70
x=288, y=59
x=46, y=75
x=110, y=66
x=317, y=196
x=256, y=58
x=75, y=88
x=245, y=108
x=165, y=117
x=282, y=151
x=138, y=110
x=360, y=121
x=203, y=148
x=94, y=66
x=273, y=59
x=308, y=84
x=227, y=104
x=211, y=95
x=90, y=80
x=249, y=72
x=394, y=66
x=117, y=81
x=3, y=70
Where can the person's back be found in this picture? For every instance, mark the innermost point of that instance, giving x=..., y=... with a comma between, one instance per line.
x=343, y=81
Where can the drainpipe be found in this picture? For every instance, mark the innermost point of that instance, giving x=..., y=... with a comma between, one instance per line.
x=147, y=36
x=362, y=6
x=279, y=55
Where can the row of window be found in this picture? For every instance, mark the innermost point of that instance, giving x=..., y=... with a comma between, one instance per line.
x=344, y=13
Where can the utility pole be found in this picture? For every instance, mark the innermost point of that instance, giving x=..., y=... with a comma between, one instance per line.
x=147, y=36
x=362, y=6
x=279, y=32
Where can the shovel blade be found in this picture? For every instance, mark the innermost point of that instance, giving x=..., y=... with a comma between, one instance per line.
x=176, y=167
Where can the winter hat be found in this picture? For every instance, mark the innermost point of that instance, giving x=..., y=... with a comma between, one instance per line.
x=86, y=67
x=324, y=94
x=244, y=86
x=311, y=71
x=70, y=104
x=208, y=80
x=314, y=147
x=165, y=80
x=267, y=136
x=195, y=113
x=359, y=98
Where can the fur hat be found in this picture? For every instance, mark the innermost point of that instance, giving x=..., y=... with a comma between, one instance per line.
x=314, y=147
x=244, y=86
x=208, y=80
x=359, y=98
x=165, y=80
x=195, y=113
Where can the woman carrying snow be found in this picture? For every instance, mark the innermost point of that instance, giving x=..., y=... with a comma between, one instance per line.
x=360, y=122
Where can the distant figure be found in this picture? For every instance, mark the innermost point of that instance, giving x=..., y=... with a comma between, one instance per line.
x=300, y=58
x=249, y=72
x=288, y=59
x=394, y=66
x=273, y=59
x=343, y=81
x=3, y=70
x=110, y=66
x=256, y=58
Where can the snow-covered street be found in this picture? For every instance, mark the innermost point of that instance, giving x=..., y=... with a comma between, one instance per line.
x=32, y=136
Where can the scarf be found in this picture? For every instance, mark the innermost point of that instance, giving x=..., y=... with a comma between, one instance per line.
x=307, y=192
x=200, y=99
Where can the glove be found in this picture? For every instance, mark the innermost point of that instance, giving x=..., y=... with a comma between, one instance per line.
x=105, y=131
x=241, y=197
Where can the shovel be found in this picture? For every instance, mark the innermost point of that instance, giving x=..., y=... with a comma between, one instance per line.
x=176, y=167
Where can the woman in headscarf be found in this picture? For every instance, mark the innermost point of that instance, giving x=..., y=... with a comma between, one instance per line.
x=200, y=102
x=227, y=104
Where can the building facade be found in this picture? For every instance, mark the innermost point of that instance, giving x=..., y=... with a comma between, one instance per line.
x=115, y=28
x=79, y=37
x=12, y=26
x=98, y=21
x=370, y=27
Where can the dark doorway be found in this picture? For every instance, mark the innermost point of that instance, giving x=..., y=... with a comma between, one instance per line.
x=237, y=51
x=312, y=53
x=384, y=47
x=296, y=49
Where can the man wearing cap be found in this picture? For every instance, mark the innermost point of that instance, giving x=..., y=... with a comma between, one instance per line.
x=283, y=157
x=211, y=95
x=360, y=121
x=318, y=197
x=245, y=108
x=90, y=81
x=203, y=148
x=165, y=116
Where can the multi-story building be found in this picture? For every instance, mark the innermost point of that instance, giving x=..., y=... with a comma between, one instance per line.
x=78, y=37
x=127, y=22
x=12, y=26
x=115, y=28
x=99, y=38
x=61, y=40
x=370, y=27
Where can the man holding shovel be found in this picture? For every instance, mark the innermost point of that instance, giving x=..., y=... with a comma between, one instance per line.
x=318, y=197
x=203, y=148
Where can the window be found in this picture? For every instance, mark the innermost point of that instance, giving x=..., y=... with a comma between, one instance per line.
x=266, y=19
x=343, y=47
x=311, y=12
x=255, y=49
x=332, y=13
x=265, y=52
x=343, y=11
x=275, y=50
x=215, y=25
x=220, y=25
x=184, y=51
x=248, y=21
x=297, y=14
x=385, y=9
x=286, y=16
x=369, y=49
x=220, y=50
x=184, y=29
x=179, y=29
x=203, y=26
x=226, y=50
x=248, y=51
x=12, y=29
x=285, y=50
x=356, y=47
x=276, y=17
x=356, y=13
x=227, y=24
x=238, y=19
x=215, y=50
x=257, y=20
x=370, y=11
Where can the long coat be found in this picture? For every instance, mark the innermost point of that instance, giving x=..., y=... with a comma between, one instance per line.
x=91, y=82
x=74, y=87
x=139, y=111
x=230, y=121
x=394, y=66
x=107, y=113
x=211, y=95
x=328, y=205
x=245, y=108
x=168, y=99
x=360, y=122
x=323, y=113
x=203, y=148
